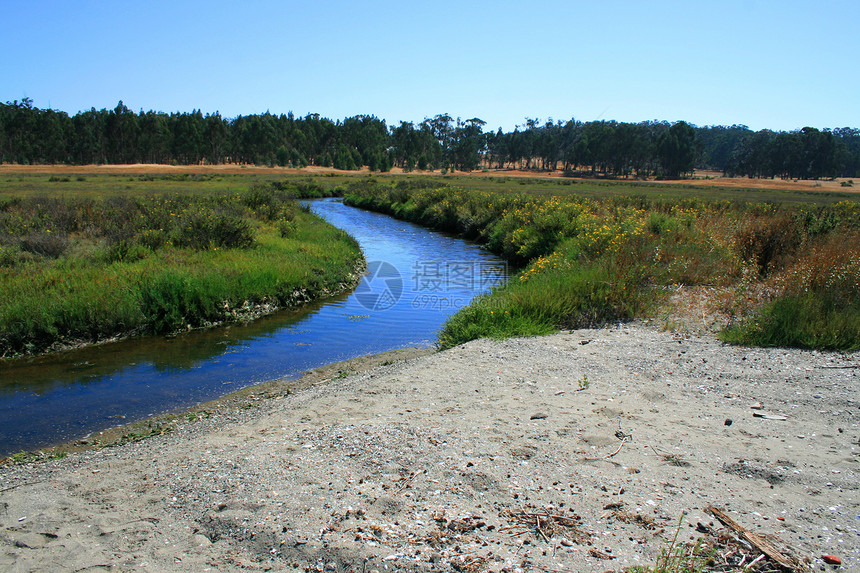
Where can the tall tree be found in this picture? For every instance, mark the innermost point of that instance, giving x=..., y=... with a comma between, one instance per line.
x=677, y=150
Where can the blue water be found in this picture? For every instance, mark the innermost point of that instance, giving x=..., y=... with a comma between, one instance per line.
x=416, y=278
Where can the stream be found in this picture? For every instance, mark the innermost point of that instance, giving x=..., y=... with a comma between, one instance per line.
x=416, y=278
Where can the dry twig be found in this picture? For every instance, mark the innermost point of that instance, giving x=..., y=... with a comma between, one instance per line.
x=409, y=481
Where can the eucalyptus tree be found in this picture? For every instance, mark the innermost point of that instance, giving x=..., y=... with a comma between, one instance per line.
x=467, y=145
x=677, y=150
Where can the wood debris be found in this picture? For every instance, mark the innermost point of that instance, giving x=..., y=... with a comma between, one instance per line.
x=762, y=544
x=546, y=525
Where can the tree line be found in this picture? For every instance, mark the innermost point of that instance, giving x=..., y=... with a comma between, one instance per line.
x=29, y=135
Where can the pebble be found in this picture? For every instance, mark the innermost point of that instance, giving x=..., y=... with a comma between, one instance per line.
x=831, y=560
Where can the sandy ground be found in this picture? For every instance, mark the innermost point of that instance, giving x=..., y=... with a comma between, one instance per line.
x=703, y=178
x=574, y=452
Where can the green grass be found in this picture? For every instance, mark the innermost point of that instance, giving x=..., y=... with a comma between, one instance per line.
x=101, y=185
x=809, y=321
x=574, y=297
x=679, y=557
x=81, y=269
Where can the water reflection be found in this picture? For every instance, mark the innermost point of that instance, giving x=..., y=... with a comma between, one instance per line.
x=416, y=279
x=165, y=355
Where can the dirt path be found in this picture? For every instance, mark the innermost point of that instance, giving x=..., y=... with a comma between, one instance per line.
x=449, y=461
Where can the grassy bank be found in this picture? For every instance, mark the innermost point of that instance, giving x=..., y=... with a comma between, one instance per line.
x=791, y=271
x=83, y=267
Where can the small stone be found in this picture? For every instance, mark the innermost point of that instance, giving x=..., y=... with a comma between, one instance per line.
x=728, y=422
x=538, y=416
x=831, y=560
x=757, y=406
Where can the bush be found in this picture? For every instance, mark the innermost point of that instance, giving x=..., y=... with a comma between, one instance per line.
x=764, y=241
x=153, y=239
x=817, y=302
x=202, y=231
x=286, y=228
x=12, y=255
x=47, y=244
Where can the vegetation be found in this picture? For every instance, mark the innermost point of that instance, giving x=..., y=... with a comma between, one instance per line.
x=590, y=252
x=29, y=135
x=83, y=269
x=588, y=261
x=679, y=557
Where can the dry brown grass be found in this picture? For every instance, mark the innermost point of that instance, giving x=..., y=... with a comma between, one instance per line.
x=700, y=178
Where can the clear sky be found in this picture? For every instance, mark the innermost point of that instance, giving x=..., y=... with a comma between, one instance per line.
x=777, y=64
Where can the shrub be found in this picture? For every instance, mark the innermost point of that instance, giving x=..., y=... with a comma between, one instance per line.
x=11, y=255
x=286, y=228
x=202, y=231
x=152, y=239
x=817, y=301
x=47, y=244
x=764, y=241
x=258, y=195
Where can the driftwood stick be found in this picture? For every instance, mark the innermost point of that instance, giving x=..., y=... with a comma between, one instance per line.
x=22, y=485
x=545, y=515
x=616, y=451
x=758, y=541
x=753, y=562
x=607, y=456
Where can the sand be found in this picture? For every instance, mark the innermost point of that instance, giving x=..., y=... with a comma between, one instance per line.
x=447, y=461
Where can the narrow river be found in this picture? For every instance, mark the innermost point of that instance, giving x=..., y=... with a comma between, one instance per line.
x=416, y=279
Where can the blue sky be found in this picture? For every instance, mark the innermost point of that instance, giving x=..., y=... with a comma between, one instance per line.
x=766, y=64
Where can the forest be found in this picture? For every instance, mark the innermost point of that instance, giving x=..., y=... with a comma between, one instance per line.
x=30, y=135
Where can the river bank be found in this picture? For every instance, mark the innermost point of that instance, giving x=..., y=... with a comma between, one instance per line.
x=440, y=462
x=59, y=398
